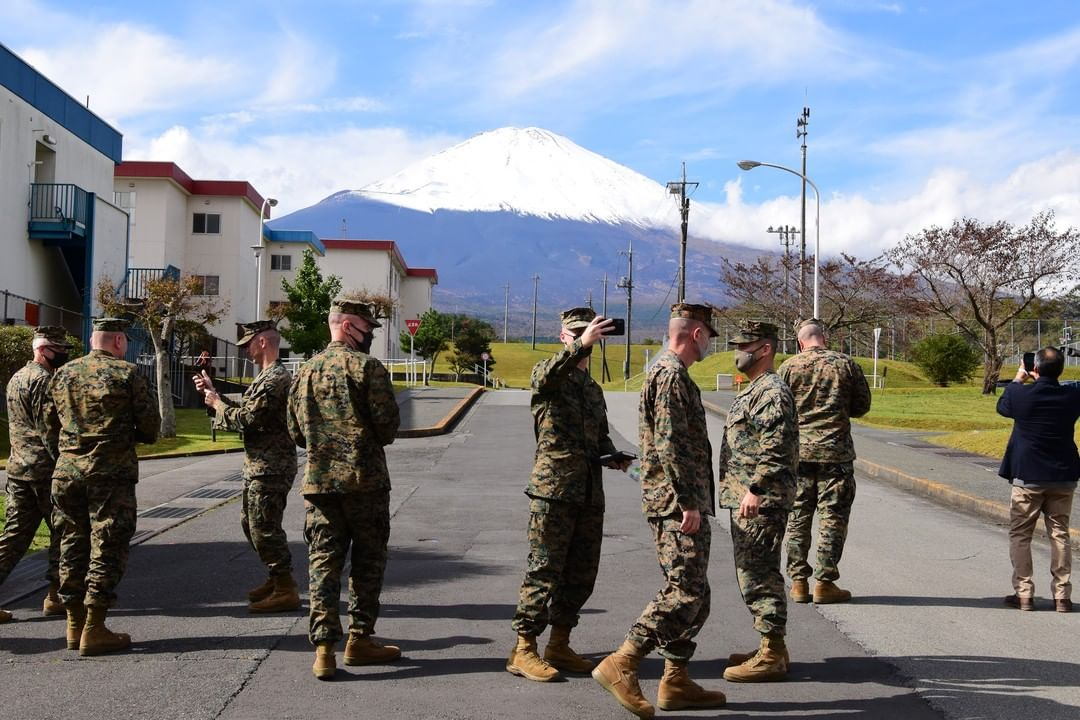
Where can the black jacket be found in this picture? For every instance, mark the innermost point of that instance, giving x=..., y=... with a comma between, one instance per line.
x=1041, y=449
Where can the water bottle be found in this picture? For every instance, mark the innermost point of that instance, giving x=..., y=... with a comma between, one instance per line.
x=635, y=472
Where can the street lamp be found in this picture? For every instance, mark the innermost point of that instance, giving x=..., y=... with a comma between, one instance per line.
x=257, y=249
x=750, y=165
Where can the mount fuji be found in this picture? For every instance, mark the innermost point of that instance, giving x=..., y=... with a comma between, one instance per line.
x=513, y=203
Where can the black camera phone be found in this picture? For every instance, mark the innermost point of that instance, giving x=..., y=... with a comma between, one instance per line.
x=618, y=327
x=1029, y=361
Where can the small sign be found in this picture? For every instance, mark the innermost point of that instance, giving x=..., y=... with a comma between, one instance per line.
x=412, y=325
x=485, y=357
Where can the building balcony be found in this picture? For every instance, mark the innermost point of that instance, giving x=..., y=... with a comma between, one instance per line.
x=60, y=214
x=137, y=279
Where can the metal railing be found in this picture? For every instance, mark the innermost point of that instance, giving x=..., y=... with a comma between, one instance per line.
x=138, y=278
x=20, y=310
x=62, y=203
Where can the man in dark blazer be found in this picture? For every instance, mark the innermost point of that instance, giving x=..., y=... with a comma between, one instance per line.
x=1042, y=464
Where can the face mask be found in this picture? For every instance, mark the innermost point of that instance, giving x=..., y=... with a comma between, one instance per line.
x=364, y=343
x=58, y=359
x=744, y=360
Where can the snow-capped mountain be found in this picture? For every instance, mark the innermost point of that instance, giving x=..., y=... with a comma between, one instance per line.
x=528, y=171
x=513, y=203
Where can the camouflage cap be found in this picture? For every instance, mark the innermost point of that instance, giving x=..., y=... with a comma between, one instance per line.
x=53, y=335
x=246, y=332
x=355, y=307
x=752, y=331
x=702, y=313
x=577, y=318
x=111, y=324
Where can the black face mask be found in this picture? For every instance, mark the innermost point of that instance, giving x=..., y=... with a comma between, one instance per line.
x=58, y=359
x=364, y=344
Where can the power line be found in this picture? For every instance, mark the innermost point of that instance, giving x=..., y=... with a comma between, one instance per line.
x=678, y=187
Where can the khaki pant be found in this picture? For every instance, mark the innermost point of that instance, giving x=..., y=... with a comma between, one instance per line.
x=1054, y=504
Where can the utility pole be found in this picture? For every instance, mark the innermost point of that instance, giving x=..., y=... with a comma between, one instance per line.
x=786, y=232
x=627, y=283
x=605, y=374
x=588, y=298
x=801, y=124
x=536, y=284
x=678, y=187
x=506, y=308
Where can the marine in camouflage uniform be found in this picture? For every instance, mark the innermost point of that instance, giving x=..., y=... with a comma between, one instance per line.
x=98, y=408
x=30, y=464
x=829, y=389
x=678, y=497
x=343, y=410
x=269, y=462
x=566, y=508
x=758, y=461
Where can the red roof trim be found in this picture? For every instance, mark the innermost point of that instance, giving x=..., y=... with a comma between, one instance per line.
x=386, y=246
x=171, y=171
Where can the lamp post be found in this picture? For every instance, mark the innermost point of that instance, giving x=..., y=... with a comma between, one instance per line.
x=750, y=165
x=257, y=249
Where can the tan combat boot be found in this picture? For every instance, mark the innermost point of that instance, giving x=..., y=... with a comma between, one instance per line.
x=560, y=655
x=76, y=620
x=678, y=692
x=284, y=598
x=261, y=592
x=768, y=664
x=826, y=593
x=363, y=650
x=525, y=662
x=98, y=639
x=800, y=591
x=325, y=665
x=740, y=658
x=53, y=605
x=618, y=674
x=5, y=616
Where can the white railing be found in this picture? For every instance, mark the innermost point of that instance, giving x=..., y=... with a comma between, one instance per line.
x=411, y=368
x=486, y=377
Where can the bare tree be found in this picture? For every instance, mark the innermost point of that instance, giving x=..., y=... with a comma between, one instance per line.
x=167, y=302
x=982, y=276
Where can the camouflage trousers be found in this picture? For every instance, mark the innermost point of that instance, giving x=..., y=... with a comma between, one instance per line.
x=95, y=521
x=829, y=490
x=680, y=609
x=342, y=527
x=757, y=544
x=28, y=503
x=260, y=517
x=564, y=556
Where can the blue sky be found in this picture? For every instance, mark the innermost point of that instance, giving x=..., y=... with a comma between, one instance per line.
x=920, y=111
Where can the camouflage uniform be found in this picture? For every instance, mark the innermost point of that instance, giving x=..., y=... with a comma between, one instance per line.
x=343, y=410
x=29, y=471
x=99, y=407
x=269, y=463
x=760, y=453
x=566, y=521
x=829, y=389
x=676, y=472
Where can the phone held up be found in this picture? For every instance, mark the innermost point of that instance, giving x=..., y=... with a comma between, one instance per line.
x=618, y=327
x=1029, y=361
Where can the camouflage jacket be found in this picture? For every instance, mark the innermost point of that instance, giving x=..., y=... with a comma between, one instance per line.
x=98, y=408
x=676, y=457
x=26, y=393
x=829, y=389
x=343, y=410
x=261, y=416
x=761, y=445
x=571, y=429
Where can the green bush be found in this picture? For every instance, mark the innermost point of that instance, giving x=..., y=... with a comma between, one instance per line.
x=946, y=358
x=16, y=349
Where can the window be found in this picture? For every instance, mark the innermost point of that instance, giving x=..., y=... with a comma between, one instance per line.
x=281, y=262
x=207, y=284
x=206, y=224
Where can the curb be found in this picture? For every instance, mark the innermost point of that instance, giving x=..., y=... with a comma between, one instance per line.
x=940, y=492
x=443, y=426
x=195, y=453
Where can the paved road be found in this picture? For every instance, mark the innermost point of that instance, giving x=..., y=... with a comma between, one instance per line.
x=926, y=638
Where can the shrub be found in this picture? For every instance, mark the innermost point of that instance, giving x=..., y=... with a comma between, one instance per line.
x=945, y=358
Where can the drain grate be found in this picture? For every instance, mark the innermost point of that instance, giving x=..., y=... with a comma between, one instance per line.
x=214, y=493
x=141, y=535
x=235, y=477
x=169, y=512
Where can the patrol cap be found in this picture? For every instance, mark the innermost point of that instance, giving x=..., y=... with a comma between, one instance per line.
x=53, y=335
x=577, y=318
x=753, y=330
x=246, y=332
x=347, y=306
x=702, y=313
x=111, y=324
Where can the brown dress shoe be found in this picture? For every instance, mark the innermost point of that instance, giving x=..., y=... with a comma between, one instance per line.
x=1063, y=605
x=1020, y=603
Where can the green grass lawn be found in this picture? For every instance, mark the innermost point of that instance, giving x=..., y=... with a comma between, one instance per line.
x=41, y=537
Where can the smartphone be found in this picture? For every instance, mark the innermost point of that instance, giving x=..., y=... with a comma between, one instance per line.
x=618, y=456
x=1029, y=361
x=618, y=327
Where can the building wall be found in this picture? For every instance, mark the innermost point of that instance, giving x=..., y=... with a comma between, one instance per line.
x=415, y=297
x=109, y=259
x=371, y=270
x=159, y=222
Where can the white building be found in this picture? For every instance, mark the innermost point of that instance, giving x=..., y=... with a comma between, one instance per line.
x=61, y=233
x=378, y=267
x=210, y=229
